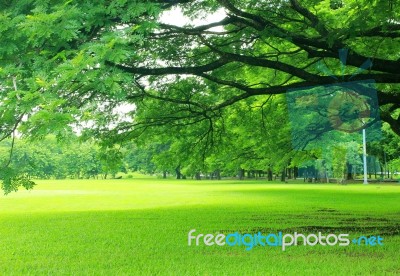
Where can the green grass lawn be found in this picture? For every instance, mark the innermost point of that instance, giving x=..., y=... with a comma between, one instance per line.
x=140, y=226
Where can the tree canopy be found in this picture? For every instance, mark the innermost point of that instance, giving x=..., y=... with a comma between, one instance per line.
x=75, y=64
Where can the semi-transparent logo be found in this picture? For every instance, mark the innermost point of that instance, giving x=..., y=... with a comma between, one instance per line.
x=336, y=112
x=279, y=239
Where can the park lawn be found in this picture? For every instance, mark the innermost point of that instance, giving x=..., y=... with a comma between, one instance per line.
x=140, y=226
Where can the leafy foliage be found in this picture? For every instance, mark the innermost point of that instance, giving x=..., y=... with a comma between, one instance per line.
x=207, y=93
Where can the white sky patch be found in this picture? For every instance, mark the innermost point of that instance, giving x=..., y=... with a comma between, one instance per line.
x=176, y=17
x=122, y=110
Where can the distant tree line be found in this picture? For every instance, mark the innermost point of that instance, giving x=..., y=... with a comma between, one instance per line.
x=73, y=158
x=48, y=158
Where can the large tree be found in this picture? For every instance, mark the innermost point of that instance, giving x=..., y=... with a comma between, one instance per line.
x=65, y=63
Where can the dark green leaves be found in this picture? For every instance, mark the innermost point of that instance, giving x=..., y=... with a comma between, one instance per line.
x=12, y=180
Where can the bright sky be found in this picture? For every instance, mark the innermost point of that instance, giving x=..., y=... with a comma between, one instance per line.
x=176, y=17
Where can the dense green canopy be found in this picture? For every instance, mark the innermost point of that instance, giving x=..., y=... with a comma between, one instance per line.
x=73, y=64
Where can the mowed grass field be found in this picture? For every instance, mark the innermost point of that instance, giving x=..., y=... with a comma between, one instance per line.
x=140, y=227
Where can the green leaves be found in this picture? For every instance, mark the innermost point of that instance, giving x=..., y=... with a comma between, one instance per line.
x=130, y=10
x=203, y=91
x=54, y=27
x=12, y=180
x=45, y=121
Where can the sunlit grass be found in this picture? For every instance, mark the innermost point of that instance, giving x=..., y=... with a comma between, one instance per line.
x=140, y=226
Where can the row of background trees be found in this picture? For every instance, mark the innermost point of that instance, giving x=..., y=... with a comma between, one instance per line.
x=48, y=158
x=74, y=158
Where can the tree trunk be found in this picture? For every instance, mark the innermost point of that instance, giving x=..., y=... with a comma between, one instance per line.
x=197, y=176
x=283, y=176
x=178, y=172
x=269, y=174
x=218, y=174
x=241, y=174
x=164, y=175
x=349, y=172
